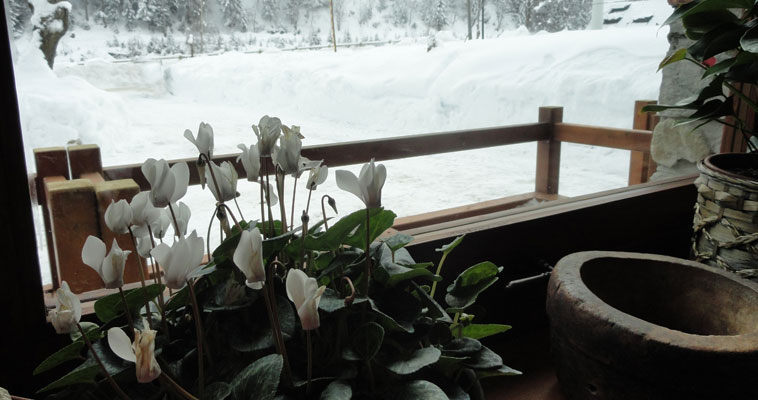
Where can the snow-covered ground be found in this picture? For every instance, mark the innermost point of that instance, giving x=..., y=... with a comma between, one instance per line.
x=139, y=110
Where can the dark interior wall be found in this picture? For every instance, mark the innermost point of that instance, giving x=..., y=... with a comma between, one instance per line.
x=24, y=334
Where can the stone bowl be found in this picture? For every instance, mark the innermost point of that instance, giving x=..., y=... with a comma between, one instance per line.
x=643, y=326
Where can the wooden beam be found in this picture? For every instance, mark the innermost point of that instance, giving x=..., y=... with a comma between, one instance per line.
x=640, y=162
x=548, y=153
x=470, y=210
x=84, y=159
x=625, y=139
x=350, y=153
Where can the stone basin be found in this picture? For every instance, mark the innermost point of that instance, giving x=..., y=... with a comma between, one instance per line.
x=643, y=326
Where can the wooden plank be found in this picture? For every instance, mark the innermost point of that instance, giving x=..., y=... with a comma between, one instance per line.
x=470, y=210
x=732, y=141
x=548, y=153
x=73, y=211
x=49, y=230
x=625, y=139
x=49, y=161
x=83, y=159
x=350, y=153
x=639, y=161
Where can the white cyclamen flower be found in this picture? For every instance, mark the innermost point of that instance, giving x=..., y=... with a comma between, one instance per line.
x=160, y=225
x=287, y=157
x=141, y=352
x=143, y=211
x=367, y=186
x=316, y=177
x=183, y=215
x=168, y=185
x=270, y=194
x=118, y=216
x=226, y=178
x=248, y=257
x=144, y=245
x=251, y=161
x=110, y=267
x=179, y=260
x=305, y=293
x=267, y=131
x=204, y=140
x=68, y=310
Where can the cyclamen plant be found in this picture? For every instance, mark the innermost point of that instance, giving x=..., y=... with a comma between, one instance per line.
x=347, y=315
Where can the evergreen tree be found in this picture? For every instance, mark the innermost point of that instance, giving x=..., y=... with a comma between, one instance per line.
x=553, y=15
x=19, y=13
x=437, y=18
x=129, y=13
x=269, y=11
x=292, y=9
x=234, y=15
x=156, y=13
x=111, y=12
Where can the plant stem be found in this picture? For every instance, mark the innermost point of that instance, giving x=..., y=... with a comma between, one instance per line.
x=369, y=269
x=323, y=211
x=213, y=175
x=292, y=210
x=199, y=333
x=142, y=278
x=268, y=200
x=270, y=298
x=187, y=395
x=239, y=209
x=455, y=323
x=177, y=233
x=439, y=269
x=263, y=212
x=126, y=311
x=310, y=360
x=100, y=363
x=280, y=190
x=161, y=301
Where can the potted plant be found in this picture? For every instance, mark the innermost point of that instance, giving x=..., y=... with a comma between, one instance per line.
x=292, y=310
x=725, y=35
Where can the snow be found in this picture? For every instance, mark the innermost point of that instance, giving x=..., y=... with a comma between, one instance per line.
x=139, y=110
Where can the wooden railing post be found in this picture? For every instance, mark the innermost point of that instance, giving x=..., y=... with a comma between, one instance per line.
x=84, y=159
x=641, y=165
x=73, y=212
x=51, y=164
x=548, y=154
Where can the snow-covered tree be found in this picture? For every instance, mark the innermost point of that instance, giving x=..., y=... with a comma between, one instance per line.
x=269, y=11
x=156, y=13
x=129, y=12
x=50, y=21
x=437, y=17
x=552, y=15
x=292, y=10
x=234, y=15
x=19, y=13
x=194, y=14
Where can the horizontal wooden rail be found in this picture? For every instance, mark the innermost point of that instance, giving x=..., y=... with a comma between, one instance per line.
x=625, y=139
x=350, y=153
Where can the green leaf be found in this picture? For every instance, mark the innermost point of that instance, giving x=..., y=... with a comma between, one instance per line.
x=257, y=335
x=331, y=301
x=450, y=246
x=478, y=331
x=84, y=373
x=397, y=309
x=259, y=380
x=338, y=234
x=337, y=390
x=67, y=353
x=484, y=359
x=90, y=328
x=111, y=307
x=470, y=283
x=380, y=222
x=700, y=23
x=217, y=391
x=678, y=55
x=413, y=362
x=398, y=241
x=725, y=37
x=705, y=6
x=179, y=299
x=711, y=110
x=435, y=310
x=504, y=370
x=367, y=340
x=426, y=390
x=462, y=347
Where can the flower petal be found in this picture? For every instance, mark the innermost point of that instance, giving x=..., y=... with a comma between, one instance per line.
x=93, y=253
x=181, y=174
x=347, y=181
x=120, y=344
x=295, y=284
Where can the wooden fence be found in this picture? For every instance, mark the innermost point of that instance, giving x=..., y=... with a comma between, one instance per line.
x=74, y=189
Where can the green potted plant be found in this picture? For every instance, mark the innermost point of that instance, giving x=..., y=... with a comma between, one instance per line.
x=725, y=35
x=286, y=311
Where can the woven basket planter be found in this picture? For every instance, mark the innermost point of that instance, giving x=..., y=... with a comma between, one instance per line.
x=726, y=216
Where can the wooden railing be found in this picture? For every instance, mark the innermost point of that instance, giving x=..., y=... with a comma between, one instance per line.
x=74, y=178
